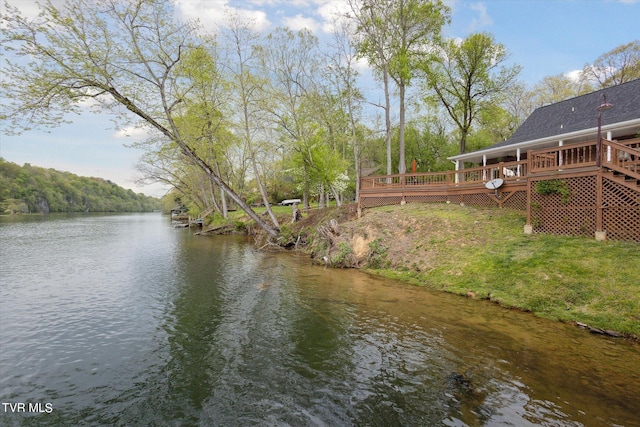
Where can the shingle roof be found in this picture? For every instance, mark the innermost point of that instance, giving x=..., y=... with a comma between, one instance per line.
x=579, y=113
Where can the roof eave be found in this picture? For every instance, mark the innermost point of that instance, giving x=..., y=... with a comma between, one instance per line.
x=536, y=142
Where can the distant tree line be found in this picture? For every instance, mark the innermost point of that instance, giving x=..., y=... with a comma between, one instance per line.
x=31, y=189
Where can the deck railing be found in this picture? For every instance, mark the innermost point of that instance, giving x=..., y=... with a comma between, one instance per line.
x=622, y=156
x=477, y=175
x=563, y=157
x=604, y=200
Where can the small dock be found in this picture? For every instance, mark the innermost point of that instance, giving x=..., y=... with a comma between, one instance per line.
x=180, y=218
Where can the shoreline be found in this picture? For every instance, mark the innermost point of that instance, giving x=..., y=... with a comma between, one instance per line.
x=482, y=254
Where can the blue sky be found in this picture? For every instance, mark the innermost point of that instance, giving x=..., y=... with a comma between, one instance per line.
x=545, y=37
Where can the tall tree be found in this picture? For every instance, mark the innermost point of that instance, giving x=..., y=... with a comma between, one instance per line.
x=465, y=76
x=552, y=89
x=394, y=35
x=617, y=66
x=343, y=62
x=124, y=55
x=250, y=96
x=518, y=103
x=429, y=144
x=416, y=27
x=373, y=41
x=293, y=64
x=204, y=123
x=327, y=134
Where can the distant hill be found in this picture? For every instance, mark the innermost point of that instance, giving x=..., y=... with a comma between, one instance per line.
x=33, y=189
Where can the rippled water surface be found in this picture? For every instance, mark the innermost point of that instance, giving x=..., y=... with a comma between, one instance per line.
x=123, y=320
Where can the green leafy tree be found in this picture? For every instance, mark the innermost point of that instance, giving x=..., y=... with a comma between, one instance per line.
x=342, y=62
x=619, y=65
x=123, y=55
x=249, y=99
x=552, y=89
x=466, y=77
x=494, y=124
x=428, y=143
x=292, y=62
x=518, y=104
x=416, y=27
x=394, y=36
x=373, y=40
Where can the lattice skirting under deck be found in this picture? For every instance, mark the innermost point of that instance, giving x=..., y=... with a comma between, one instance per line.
x=576, y=215
x=517, y=201
x=620, y=212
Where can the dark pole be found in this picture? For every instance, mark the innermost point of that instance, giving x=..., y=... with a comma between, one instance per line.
x=604, y=106
x=599, y=140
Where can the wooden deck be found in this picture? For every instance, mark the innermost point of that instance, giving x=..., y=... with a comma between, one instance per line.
x=612, y=189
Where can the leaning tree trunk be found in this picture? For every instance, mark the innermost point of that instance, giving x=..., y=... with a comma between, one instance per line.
x=190, y=153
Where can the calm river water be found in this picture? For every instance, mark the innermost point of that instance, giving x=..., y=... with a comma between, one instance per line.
x=122, y=320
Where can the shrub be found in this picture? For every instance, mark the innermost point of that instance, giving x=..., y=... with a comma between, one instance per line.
x=377, y=257
x=344, y=256
x=554, y=186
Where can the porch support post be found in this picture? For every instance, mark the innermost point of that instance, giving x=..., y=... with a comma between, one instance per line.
x=518, y=160
x=457, y=169
x=484, y=164
x=610, y=138
x=600, y=233
x=560, y=157
x=528, y=227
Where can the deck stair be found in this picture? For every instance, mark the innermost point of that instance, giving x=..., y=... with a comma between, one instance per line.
x=623, y=179
x=623, y=166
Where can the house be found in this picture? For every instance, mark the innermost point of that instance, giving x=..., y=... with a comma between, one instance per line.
x=567, y=122
x=555, y=167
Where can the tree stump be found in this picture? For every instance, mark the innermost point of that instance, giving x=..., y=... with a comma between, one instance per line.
x=296, y=216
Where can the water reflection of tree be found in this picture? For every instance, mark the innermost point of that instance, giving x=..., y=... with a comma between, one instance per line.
x=290, y=344
x=180, y=379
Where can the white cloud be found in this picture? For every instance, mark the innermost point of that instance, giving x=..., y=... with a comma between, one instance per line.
x=482, y=19
x=574, y=75
x=330, y=11
x=135, y=132
x=208, y=12
x=300, y=22
x=215, y=13
x=30, y=8
x=361, y=65
x=325, y=13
